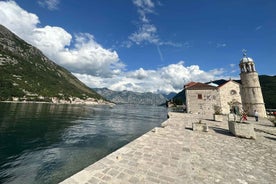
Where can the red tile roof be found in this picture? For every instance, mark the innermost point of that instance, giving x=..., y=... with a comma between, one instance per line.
x=199, y=86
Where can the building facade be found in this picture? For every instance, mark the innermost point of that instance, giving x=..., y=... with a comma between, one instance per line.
x=201, y=98
x=230, y=95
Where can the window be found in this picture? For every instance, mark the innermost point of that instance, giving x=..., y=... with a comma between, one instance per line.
x=199, y=96
x=233, y=92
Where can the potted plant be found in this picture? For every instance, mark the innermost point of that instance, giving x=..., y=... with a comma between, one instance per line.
x=200, y=126
x=218, y=116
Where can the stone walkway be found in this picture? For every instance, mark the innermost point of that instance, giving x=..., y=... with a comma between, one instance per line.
x=176, y=154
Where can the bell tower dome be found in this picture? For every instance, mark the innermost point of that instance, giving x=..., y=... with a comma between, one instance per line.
x=251, y=93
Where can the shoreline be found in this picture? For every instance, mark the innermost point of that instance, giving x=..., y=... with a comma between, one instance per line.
x=60, y=103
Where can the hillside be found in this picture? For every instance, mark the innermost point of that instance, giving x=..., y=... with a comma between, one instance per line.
x=29, y=75
x=179, y=98
x=131, y=97
x=268, y=84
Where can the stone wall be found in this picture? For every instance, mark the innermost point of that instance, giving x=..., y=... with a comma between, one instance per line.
x=204, y=106
x=252, y=97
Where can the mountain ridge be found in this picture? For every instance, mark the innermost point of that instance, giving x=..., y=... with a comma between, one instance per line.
x=28, y=75
x=130, y=97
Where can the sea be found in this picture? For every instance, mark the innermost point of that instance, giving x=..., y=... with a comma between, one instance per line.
x=46, y=143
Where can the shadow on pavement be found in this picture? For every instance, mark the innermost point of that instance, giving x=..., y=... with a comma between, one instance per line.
x=222, y=131
x=271, y=138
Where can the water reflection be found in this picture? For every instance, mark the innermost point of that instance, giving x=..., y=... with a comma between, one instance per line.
x=25, y=126
x=46, y=143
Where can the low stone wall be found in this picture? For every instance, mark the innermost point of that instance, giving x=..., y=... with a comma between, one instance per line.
x=242, y=129
x=218, y=117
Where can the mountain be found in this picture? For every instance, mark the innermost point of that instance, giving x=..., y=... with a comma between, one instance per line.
x=179, y=98
x=170, y=95
x=131, y=97
x=268, y=84
x=28, y=75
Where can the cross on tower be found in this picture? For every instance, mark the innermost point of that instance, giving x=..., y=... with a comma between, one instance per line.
x=244, y=52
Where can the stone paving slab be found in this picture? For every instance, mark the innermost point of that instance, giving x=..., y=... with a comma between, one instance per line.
x=176, y=154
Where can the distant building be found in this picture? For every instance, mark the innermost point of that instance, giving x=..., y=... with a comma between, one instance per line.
x=229, y=95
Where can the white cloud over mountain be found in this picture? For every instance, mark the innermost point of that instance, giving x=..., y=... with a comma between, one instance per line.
x=166, y=79
x=78, y=53
x=95, y=65
x=17, y=20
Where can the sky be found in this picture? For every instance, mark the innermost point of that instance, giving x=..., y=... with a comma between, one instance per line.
x=147, y=45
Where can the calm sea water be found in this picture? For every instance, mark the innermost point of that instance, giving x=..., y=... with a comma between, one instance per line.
x=46, y=143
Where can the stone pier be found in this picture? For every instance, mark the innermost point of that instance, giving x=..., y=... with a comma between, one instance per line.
x=177, y=154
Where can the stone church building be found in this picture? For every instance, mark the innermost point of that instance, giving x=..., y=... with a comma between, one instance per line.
x=235, y=95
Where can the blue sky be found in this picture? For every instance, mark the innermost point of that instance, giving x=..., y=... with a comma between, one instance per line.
x=147, y=45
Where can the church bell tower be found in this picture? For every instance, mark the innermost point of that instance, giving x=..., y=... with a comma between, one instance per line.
x=251, y=93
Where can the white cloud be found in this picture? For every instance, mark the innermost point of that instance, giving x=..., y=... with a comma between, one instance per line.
x=90, y=57
x=95, y=65
x=166, y=79
x=139, y=74
x=80, y=54
x=221, y=45
x=49, y=4
x=147, y=31
x=51, y=40
x=16, y=19
x=144, y=7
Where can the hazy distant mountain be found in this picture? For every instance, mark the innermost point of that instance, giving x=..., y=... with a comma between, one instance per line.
x=131, y=97
x=25, y=73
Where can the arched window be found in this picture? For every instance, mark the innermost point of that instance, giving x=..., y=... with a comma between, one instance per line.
x=233, y=92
